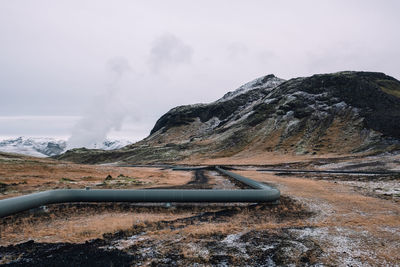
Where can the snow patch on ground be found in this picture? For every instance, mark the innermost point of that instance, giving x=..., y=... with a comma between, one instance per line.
x=388, y=188
x=292, y=125
x=342, y=244
x=126, y=243
x=233, y=241
x=196, y=249
x=392, y=230
x=270, y=100
x=320, y=208
x=209, y=125
x=242, y=114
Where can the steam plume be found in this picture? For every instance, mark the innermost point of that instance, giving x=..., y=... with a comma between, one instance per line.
x=106, y=112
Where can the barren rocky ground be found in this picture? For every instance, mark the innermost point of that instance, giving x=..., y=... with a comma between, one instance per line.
x=322, y=219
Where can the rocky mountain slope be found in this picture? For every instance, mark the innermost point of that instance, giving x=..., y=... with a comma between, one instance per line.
x=343, y=112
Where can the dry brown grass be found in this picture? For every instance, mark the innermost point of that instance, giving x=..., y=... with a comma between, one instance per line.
x=78, y=228
x=26, y=175
x=210, y=229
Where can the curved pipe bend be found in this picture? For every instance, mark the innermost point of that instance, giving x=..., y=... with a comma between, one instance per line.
x=259, y=193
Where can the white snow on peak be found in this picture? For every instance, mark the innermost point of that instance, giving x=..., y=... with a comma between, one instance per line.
x=265, y=82
x=33, y=146
x=112, y=144
x=45, y=147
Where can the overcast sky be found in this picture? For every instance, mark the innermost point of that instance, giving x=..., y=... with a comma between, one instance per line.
x=93, y=69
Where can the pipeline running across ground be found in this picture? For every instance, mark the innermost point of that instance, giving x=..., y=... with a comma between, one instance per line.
x=259, y=193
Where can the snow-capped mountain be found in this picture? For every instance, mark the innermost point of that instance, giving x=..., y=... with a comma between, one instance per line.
x=46, y=147
x=343, y=112
x=112, y=144
x=267, y=83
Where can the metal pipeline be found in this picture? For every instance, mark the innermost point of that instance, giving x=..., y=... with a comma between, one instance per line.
x=260, y=193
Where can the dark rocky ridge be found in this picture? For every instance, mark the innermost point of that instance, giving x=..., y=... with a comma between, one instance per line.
x=362, y=90
x=326, y=113
x=221, y=109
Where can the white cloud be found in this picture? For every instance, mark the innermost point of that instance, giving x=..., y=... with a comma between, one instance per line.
x=169, y=51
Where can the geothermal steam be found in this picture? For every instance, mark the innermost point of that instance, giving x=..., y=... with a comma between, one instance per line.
x=106, y=112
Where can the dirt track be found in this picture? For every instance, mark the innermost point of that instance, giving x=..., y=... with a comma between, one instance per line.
x=199, y=181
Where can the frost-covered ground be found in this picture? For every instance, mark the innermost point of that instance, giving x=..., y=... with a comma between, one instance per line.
x=384, y=161
x=343, y=245
x=389, y=189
